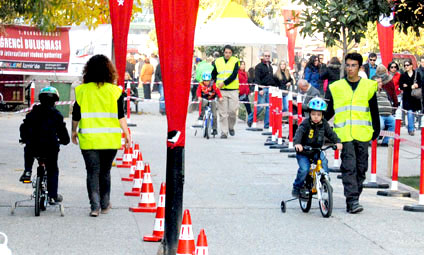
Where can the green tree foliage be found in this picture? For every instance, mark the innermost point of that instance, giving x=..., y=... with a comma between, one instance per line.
x=48, y=14
x=209, y=50
x=409, y=15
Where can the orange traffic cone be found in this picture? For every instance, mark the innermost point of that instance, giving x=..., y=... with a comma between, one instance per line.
x=126, y=163
x=202, y=244
x=136, y=150
x=186, y=240
x=147, y=198
x=138, y=180
x=159, y=226
x=137, y=163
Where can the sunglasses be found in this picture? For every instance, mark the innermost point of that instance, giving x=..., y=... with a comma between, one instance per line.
x=406, y=64
x=393, y=67
x=373, y=59
x=267, y=55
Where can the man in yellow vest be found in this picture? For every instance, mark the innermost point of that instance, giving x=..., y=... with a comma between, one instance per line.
x=353, y=103
x=225, y=74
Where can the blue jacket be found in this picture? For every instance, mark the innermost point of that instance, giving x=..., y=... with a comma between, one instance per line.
x=312, y=76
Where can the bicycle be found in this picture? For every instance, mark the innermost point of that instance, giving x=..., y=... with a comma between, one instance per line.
x=207, y=122
x=40, y=193
x=321, y=188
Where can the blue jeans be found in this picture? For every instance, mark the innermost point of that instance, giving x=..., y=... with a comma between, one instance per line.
x=304, y=167
x=161, y=98
x=411, y=119
x=285, y=104
x=264, y=99
x=387, y=123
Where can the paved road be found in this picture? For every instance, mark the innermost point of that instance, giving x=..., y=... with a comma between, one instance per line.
x=233, y=190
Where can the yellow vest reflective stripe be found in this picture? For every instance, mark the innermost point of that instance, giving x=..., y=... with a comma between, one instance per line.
x=225, y=70
x=352, y=119
x=99, y=125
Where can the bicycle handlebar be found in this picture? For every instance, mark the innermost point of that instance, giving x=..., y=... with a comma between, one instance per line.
x=309, y=148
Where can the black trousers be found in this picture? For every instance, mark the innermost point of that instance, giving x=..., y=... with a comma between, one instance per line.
x=146, y=90
x=354, y=167
x=245, y=98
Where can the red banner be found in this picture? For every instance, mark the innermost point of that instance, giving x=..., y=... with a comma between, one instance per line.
x=27, y=49
x=291, y=33
x=175, y=25
x=120, y=16
x=385, y=38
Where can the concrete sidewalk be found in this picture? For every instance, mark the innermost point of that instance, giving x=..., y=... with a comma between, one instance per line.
x=233, y=189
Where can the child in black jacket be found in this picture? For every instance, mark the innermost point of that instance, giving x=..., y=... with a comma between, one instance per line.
x=312, y=132
x=42, y=132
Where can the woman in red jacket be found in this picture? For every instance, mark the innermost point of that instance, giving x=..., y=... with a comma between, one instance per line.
x=393, y=68
x=244, y=89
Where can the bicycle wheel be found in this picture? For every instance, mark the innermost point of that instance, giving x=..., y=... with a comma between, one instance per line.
x=37, y=196
x=210, y=125
x=326, y=202
x=305, y=199
x=206, y=127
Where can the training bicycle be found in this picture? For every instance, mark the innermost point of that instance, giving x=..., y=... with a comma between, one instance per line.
x=40, y=194
x=207, y=122
x=317, y=183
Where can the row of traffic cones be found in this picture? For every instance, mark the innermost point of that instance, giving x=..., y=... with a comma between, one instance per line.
x=140, y=175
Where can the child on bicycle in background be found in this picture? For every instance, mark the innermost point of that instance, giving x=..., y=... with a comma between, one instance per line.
x=42, y=132
x=207, y=91
x=312, y=132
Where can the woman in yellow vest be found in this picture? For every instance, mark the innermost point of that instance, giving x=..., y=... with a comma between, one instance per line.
x=353, y=103
x=99, y=115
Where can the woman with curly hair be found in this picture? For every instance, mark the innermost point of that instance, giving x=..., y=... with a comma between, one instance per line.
x=99, y=115
x=312, y=72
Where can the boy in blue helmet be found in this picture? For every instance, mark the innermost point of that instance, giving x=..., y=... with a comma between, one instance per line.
x=206, y=92
x=42, y=132
x=312, y=132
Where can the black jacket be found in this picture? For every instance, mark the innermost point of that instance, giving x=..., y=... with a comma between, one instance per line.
x=330, y=73
x=282, y=84
x=311, y=134
x=43, y=130
x=264, y=75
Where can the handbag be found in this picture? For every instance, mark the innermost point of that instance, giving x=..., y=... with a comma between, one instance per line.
x=416, y=93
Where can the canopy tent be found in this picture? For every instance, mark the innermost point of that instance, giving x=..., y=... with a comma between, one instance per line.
x=234, y=27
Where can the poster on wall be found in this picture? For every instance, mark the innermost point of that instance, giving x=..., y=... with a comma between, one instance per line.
x=28, y=51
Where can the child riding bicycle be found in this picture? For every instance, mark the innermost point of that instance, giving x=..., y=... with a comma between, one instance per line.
x=312, y=132
x=42, y=132
x=207, y=91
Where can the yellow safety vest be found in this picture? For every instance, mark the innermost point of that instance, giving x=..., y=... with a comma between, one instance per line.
x=352, y=119
x=225, y=70
x=99, y=125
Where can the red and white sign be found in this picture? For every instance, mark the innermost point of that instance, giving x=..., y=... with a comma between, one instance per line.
x=27, y=49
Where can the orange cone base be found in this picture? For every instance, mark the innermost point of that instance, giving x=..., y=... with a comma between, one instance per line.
x=127, y=179
x=152, y=238
x=143, y=209
x=132, y=193
x=124, y=166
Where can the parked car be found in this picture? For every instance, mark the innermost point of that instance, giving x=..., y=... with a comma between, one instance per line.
x=400, y=59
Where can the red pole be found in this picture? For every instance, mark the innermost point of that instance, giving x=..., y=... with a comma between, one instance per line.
x=271, y=105
x=280, y=117
x=299, y=109
x=32, y=94
x=128, y=101
x=255, y=106
x=374, y=161
x=421, y=196
x=396, y=150
x=273, y=111
x=290, y=98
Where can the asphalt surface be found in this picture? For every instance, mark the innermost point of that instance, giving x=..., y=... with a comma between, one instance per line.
x=233, y=189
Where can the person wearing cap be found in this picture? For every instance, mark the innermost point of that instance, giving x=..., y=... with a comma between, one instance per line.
x=353, y=103
x=312, y=132
x=98, y=114
x=42, y=131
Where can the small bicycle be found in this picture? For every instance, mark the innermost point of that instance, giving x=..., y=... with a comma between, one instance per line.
x=207, y=122
x=317, y=183
x=40, y=194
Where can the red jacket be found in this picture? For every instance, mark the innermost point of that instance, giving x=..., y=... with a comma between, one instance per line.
x=396, y=78
x=208, y=92
x=244, y=88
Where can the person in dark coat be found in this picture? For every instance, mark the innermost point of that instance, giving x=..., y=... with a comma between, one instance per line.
x=332, y=71
x=371, y=67
x=312, y=72
x=408, y=81
x=158, y=79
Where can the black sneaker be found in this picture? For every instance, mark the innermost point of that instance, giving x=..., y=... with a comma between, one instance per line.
x=56, y=200
x=295, y=193
x=232, y=132
x=223, y=136
x=25, y=177
x=214, y=132
x=249, y=124
x=354, y=208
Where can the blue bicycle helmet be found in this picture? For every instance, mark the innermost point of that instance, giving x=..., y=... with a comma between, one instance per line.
x=49, y=92
x=206, y=76
x=317, y=104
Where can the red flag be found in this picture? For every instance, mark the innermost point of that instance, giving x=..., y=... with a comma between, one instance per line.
x=291, y=33
x=175, y=25
x=385, y=38
x=120, y=16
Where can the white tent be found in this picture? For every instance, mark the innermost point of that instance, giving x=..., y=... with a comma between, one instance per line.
x=234, y=27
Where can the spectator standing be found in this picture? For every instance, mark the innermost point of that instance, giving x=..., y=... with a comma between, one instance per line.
x=308, y=93
x=332, y=71
x=371, y=67
x=387, y=121
x=98, y=113
x=283, y=81
x=408, y=81
x=420, y=69
x=225, y=73
x=158, y=80
x=312, y=72
x=353, y=103
x=387, y=83
x=263, y=76
x=146, y=78
x=154, y=61
x=244, y=90
x=130, y=66
x=251, y=78
x=393, y=68
x=138, y=66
